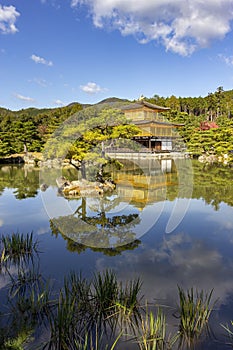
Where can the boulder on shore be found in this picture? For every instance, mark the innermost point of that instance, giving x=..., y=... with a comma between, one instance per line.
x=83, y=188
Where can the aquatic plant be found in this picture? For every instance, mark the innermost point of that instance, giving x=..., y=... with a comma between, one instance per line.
x=152, y=332
x=104, y=294
x=194, y=312
x=62, y=324
x=33, y=307
x=18, y=247
x=72, y=317
x=229, y=333
x=94, y=341
x=18, y=342
x=128, y=305
x=91, y=315
x=27, y=279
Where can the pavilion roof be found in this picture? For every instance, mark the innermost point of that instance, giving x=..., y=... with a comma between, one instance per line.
x=157, y=122
x=142, y=103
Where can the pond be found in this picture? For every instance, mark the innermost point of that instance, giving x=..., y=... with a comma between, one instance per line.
x=169, y=222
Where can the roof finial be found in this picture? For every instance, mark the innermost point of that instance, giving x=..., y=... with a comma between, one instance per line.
x=141, y=98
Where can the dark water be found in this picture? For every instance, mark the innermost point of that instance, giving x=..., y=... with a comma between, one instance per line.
x=169, y=222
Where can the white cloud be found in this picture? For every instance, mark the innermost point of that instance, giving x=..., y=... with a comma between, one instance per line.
x=59, y=103
x=43, y=230
x=41, y=60
x=92, y=88
x=227, y=59
x=8, y=17
x=38, y=81
x=181, y=26
x=24, y=98
x=74, y=3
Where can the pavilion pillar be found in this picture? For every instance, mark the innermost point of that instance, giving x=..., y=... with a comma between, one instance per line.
x=150, y=145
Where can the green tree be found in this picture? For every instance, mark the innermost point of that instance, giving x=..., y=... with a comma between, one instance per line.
x=83, y=140
x=26, y=136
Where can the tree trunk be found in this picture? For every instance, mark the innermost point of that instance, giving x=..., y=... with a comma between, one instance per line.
x=25, y=149
x=83, y=170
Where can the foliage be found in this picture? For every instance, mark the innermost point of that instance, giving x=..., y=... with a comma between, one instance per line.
x=18, y=247
x=194, y=312
x=152, y=332
x=32, y=127
x=229, y=332
x=82, y=138
x=190, y=111
x=29, y=129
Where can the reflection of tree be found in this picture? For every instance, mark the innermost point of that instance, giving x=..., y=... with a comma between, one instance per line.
x=97, y=229
x=118, y=250
x=79, y=248
x=24, y=181
x=103, y=205
x=211, y=182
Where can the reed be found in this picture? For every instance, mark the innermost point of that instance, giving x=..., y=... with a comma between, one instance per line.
x=104, y=295
x=79, y=288
x=152, y=332
x=128, y=305
x=229, y=333
x=62, y=324
x=25, y=281
x=18, y=247
x=94, y=341
x=194, y=313
x=72, y=317
x=35, y=307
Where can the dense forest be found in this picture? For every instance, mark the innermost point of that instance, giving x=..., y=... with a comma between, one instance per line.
x=217, y=107
x=29, y=129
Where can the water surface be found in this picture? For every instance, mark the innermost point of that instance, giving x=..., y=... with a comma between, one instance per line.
x=130, y=234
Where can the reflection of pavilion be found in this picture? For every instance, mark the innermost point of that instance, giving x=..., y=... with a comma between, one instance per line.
x=144, y=182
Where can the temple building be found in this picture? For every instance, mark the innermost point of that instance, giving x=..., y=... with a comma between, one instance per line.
x=157, y=134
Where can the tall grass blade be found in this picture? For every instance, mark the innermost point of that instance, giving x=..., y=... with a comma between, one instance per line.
x=194, y=313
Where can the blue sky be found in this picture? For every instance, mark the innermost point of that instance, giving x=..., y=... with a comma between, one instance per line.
x=54, y=52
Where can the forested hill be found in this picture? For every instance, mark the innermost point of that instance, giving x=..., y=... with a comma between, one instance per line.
x=214, y=104
x=30, y=128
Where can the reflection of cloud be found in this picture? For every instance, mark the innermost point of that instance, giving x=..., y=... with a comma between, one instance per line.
x=181, y=26
x=43, y=230
x=1, y=222
x=224, y=221
x=176, y=260
x=5, y=277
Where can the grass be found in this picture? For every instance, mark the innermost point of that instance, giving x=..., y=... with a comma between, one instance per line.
x=194, y=312
x=128, y=305
x=18, y=247
x=105, y=293
x=81, y=311
x=229, y=333
x=152, y=332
